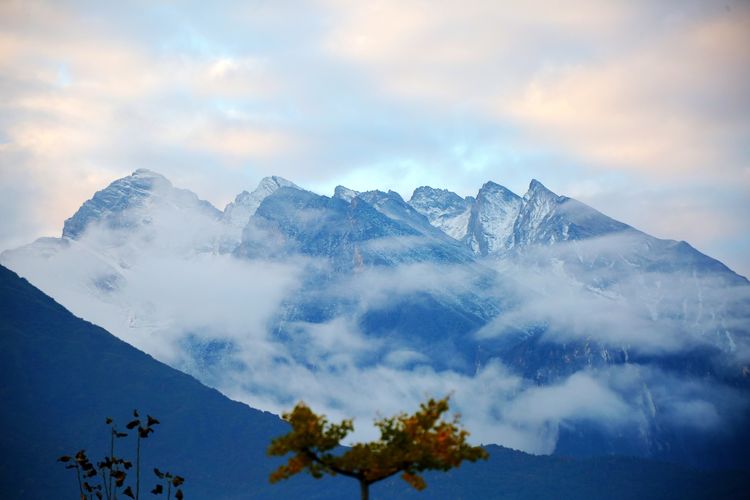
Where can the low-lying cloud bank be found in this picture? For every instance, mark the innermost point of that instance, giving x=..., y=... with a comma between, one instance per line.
x=236, y=324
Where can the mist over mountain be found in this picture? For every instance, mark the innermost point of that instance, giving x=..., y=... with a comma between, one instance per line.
x=64, y=376
x=556, y=328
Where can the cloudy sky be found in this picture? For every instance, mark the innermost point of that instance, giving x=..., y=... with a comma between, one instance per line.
x=637, y=108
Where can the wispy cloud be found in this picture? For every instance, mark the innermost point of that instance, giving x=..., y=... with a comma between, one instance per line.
x=236, y=324
x=641, y=101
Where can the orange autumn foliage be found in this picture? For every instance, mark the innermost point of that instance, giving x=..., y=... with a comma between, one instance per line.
x=408, y=444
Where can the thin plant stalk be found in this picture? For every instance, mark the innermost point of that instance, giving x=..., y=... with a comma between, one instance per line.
x=111, y=458
x=104, y=482
x=78, y=475
x=138, y=467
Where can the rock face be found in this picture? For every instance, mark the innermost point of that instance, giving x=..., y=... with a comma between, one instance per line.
x=550, y=289
x=116, y=206
x=375, y=228
x=238, y=212
x=492, y=221
x=498, y=220
x=344, y=193
x=444, y=209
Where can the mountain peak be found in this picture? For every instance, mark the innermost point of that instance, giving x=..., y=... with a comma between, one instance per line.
x=238, y=212
x=444, y=209
x=490, y=227
x=121, y=194
x=344, y=193
x=274, y=182
x=538, y=189
x=394, y=195
x=146, y=173
x=495, y=188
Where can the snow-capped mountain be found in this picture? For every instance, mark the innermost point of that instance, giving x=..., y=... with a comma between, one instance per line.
x=374, y=228
x=513, y=302
x=237, y=213
x=493, y=216
x=444, y=209
x=498, y=220
x=344, y=193
x=127, y=203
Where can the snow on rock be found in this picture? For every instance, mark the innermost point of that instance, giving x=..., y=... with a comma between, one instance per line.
x=344, y=193
x=492, y=219
x=112, y=205
x=238, y=212
x=444, y=209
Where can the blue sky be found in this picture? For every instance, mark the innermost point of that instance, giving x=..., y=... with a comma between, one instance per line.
x=637, y=108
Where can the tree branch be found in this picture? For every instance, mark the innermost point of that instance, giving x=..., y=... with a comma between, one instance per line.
x=315, y=458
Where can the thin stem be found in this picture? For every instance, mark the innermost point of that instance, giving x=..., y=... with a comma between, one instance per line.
x=78, y=475
x=169, y=490
x=104, y=482
x=138, y=467
x=364, y=489
x=111, y=460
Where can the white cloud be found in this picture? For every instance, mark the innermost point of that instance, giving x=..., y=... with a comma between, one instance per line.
x=148, y=286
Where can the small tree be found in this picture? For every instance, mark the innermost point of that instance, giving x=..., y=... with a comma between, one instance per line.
x=409, y=444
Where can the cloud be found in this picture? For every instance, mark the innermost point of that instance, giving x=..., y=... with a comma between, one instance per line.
x=621, y=294
x=568, y=76
x=236, y=324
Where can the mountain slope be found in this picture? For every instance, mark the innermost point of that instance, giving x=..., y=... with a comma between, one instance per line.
x=444, y=209
x=114, y=205
x=372, y=229
x=542, y=298
x=61, y=375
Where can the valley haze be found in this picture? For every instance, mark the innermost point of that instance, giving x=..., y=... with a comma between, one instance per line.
x=555, y=328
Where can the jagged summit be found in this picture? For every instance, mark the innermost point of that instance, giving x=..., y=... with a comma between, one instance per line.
x=344, y=193
x=490, y=227
x=130, y=191
x=444, y=209
x=536, y=185
x=493, y=187
x=497, y=222
x=436, y=197
x=537, y=189
x=238, y=212
x=392, y=205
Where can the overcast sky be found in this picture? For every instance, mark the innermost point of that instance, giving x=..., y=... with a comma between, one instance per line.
x=638, y=108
